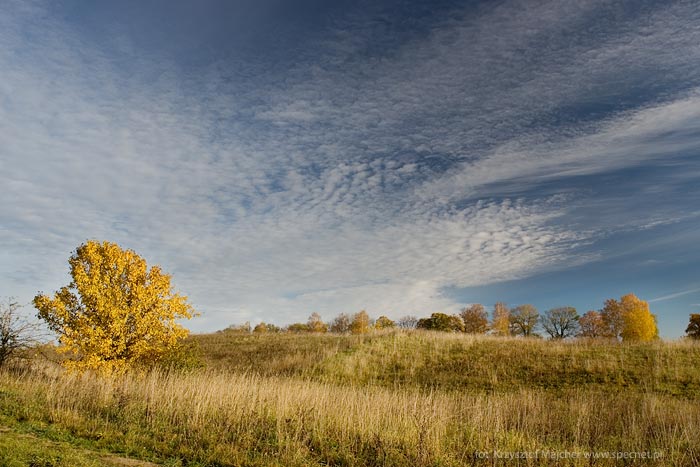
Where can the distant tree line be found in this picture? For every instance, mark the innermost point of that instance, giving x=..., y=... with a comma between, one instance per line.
x=359, y=323
x=627, y=319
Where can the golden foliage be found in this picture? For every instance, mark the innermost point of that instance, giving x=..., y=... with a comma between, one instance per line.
x=500, y=326
x=116, y=312
x=316, y=324
x=630, y=319
x=638, y=322
x=360, y=323
x=260, y=328
x=384, y=322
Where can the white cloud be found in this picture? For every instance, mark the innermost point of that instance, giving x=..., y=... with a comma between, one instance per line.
x=652, y=133
x=344, y=187
x=674, y=295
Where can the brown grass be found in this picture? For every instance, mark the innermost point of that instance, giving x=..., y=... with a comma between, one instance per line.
x=220, y=417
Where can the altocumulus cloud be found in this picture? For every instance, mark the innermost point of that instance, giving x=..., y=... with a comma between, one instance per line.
x=360, y=176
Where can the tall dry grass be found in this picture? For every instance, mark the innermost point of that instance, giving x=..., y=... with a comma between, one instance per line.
x=216, y=418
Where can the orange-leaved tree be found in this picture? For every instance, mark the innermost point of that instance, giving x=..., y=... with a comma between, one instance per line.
x=475, y=319
x=591, y=325
x=116, y=313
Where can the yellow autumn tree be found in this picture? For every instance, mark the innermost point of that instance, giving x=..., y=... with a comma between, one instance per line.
x=116, y=313
x=360, y=323
x=316, y=324
x=384, y=322
x=639, y=324
x=629, y=318
x=500, y=326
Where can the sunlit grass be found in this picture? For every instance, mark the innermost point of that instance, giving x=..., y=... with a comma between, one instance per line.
x=335, y=403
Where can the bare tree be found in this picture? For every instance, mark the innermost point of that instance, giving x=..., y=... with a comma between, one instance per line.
x=561, y=323
x=407, y=322
x=16, y=333
x=341, y=324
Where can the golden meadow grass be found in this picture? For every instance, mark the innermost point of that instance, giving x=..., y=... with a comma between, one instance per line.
x=316, y=414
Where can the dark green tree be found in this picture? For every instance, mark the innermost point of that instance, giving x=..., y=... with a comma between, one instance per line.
x=693, y=329
x=441, y=322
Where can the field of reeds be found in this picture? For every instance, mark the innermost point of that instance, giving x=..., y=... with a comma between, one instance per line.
x=388, y=399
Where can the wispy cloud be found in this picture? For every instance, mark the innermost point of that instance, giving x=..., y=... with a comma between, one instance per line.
x=674, y=295
x=356, y=179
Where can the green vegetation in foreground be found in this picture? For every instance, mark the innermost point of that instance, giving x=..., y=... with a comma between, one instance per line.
x=20, y=449
x=420, y=399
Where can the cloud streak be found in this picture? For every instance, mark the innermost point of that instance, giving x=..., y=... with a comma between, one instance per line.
x=674, y=295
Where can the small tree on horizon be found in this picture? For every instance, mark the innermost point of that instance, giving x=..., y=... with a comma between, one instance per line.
x=639, y=322
x=475, y=319
x=16, y=333
x=629, y=319
x=340, y=324
x=561, y=323
x=441, y=322
x=384, y=323
x=244, y=328
x=316, y=324
x=693, y=329
x=613, y=319
x=260, y=328
x=523, y=320
x=360, y=323
x=591, y=325
x=500, y=324
x=407, y=322
x=297, y=327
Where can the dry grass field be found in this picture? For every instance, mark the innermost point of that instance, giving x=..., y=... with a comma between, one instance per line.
x=389, y=399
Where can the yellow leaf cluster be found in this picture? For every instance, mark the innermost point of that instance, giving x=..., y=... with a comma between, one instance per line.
x=638, y=322
x=360, y=323
x=116, y=313
x=501, y=320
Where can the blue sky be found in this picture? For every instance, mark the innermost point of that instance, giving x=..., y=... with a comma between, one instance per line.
x=283, y=157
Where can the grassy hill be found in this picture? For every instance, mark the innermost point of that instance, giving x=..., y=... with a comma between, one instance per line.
x=460, y=362
x=392, y=399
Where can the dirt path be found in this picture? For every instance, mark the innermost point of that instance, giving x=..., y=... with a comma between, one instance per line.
x=126, y=462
